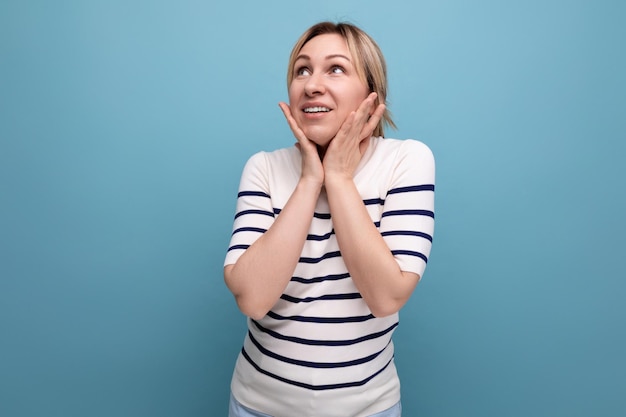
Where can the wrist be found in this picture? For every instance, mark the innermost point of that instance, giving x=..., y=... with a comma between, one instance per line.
x=310, y=184
x=337, y=180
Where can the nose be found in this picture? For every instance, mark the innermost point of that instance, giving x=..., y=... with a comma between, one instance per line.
x=314, y=85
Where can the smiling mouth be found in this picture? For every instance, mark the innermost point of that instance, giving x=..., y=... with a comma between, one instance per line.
x=316, y=110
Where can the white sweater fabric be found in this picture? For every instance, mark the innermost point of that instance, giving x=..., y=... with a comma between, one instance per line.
x=320, y=351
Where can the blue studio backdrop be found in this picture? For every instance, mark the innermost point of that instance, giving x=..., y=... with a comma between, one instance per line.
x=124, y=126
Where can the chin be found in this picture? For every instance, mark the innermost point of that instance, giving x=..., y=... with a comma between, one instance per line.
x=321, y=139
x=321, y=142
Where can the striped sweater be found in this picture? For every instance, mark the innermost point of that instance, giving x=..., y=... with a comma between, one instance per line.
x=320, y=351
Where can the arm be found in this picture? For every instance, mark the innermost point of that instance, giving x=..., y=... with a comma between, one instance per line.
x=373, y=268
x=384, y=278
x=262, y=272
x=259, y=276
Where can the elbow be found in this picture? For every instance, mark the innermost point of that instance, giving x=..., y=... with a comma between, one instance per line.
x=385, y=309
x=383, y=305
x=249, y=304
x=250, y=308
x=388, y=305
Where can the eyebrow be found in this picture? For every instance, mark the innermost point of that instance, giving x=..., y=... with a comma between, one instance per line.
x=303, y=56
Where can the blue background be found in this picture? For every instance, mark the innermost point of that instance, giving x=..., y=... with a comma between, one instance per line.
x=124, y=127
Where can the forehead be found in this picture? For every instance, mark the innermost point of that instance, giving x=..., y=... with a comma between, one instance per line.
x=325, y=45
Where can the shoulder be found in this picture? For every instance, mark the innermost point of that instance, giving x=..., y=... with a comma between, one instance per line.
x=274, y=168
x=410, y=160
x=404, y=149
x=276, y=155
x=276, y=159
x=407, y=145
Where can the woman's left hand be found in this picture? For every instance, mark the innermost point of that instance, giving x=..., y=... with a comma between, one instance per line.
x=344, y=150
x=311, y=163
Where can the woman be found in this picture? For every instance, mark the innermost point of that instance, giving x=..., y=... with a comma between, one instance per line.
x=330, y=239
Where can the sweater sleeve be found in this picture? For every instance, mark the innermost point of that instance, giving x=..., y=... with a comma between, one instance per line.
x=254, y=213
x=408, y=219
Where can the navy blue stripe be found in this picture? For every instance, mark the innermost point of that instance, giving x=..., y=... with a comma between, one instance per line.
x=312, y=342
x=407, y=233
x=373, y=201
x=411, y=253
x=308, y=319
x=327, y=297
x=318, y=365
x=316, y=260
x=325, y=216
x=238, y=247
x=408, y=212
x=263, y=212
x=424, y=187
x=315, y=280
x=310, y=386
x=250, y=229
x=321, y=237
x=253, y=194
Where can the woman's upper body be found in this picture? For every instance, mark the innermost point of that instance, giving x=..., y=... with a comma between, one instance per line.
x=331, y=236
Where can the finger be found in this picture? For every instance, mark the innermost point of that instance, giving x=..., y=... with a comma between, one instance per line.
x=356, y=119
x=293, y=125
x=365, y=108
x=347, y=125
x=287, y=113
x=373, y=121
x=304, y=145
x=365, y=111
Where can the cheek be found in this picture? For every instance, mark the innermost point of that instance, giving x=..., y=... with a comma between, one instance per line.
x=355, y=102
x=359, y=94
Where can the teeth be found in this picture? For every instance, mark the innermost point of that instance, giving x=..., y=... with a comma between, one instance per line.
x=316, y=109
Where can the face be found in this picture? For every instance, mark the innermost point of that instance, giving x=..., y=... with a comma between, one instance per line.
x=325, y=87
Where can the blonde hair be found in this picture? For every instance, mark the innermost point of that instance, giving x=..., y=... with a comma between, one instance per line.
x=369, y=61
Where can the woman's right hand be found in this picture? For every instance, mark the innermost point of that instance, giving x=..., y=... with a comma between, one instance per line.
x=312, y=168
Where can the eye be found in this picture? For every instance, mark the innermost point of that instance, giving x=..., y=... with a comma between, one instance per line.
x=302, y=71
x=336, y=69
